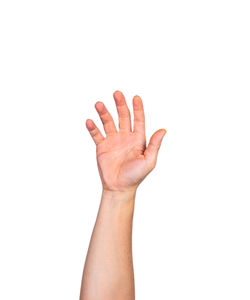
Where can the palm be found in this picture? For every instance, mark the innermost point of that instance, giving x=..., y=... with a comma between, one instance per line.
x=122, y=157
x=121, y=160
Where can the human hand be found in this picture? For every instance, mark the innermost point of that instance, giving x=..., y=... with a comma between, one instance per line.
x=123, y=158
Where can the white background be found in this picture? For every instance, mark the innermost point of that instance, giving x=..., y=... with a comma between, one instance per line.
x=189, y=61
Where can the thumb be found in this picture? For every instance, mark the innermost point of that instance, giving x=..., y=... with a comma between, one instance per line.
x=154, y=144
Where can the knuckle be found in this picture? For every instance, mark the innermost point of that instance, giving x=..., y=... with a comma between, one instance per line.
x=94, y=132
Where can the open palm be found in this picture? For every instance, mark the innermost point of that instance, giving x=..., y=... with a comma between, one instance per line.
x=123, y=157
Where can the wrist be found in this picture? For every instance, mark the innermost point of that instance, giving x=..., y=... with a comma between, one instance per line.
x=118, y=204
x=128, y=194
x=122, y=201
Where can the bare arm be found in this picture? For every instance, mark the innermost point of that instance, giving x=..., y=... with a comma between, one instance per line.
x=124, y=161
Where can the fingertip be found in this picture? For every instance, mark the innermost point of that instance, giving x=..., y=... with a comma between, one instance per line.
x=119, y=98
x=90, y=124
x=99, y=105
x=158, y=136
x=137, y=101
x=164, y=131
x=88, y=121
x=117, y=92
x=136, y=97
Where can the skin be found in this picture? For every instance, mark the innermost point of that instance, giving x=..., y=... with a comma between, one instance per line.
x=124, y=160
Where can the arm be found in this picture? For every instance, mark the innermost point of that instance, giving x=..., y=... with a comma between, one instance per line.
x=123, y=161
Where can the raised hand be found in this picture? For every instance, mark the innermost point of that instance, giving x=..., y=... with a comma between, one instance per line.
x=123, y=157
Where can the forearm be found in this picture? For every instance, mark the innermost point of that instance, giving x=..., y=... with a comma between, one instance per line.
x=108, y=271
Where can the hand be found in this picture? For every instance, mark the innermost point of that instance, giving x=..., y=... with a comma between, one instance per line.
x=123, y=158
